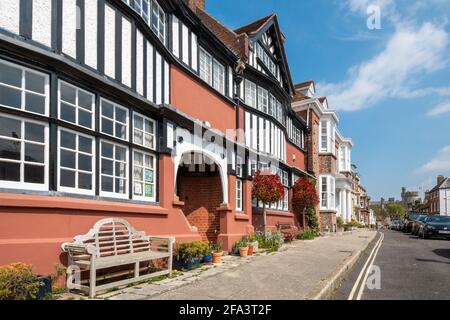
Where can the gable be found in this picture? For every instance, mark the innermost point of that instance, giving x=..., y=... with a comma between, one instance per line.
x=267, y=53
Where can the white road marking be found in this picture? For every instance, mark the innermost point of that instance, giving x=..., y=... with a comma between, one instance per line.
x=358, y=280
x=364, y=282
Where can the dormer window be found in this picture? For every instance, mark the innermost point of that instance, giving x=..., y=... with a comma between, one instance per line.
x=153, y=15
x=266, y=59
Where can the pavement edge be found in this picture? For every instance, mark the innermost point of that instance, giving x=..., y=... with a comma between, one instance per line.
x=334, y=282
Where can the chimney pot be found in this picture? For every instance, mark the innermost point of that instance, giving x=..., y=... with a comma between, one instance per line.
x=440, y=179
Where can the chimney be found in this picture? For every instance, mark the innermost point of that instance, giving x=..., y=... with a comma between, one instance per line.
x=440, y=179
x=194, y=4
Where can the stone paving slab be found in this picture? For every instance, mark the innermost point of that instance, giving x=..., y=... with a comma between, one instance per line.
x=299, y=271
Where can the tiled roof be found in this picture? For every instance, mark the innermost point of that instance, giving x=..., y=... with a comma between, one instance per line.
x=299, y=97
x=255, y=26
x=238, y=44
x=303, y=85
x=444, y=184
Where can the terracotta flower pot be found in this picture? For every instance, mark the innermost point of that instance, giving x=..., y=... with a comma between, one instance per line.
x=217, y=257
x=250, y=250
x=243, y=251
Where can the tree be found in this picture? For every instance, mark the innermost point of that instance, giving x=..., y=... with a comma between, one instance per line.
x=395, y=210
x=268, y=189
x=304, y=199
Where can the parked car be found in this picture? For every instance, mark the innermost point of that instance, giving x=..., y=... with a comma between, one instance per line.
x=435, y=226
x=393, y=225
x=417, y=223
x=410, y=218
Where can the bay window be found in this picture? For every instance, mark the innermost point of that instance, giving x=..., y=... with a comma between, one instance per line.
x=24, y=89
x=263, y=100
x=76, y=162
x=23, y=153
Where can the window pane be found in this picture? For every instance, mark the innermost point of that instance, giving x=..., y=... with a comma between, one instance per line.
x=138, y=159
x=138, y=173
x=107, y=167
x=138, y=189
x=107, y=126
x=10, y=97
x=35, y=103
x=121, y=131
x=84, y=118
x=34, y=132
x=107, y=109
x=68, y=113
x=10, y=128
x=68, y=159
x=85, y=181
x=85, y=144
x=107, y=184
x=68, y=140
x=138, y=137
x=107, y=150
x=84, y=162
x=34, y=174
x=9, y=149
x=138, y=122
x=121, y=154
x=121, y=170
x=34, y=153
x=149, y=126
x=121, y=115
x=34, y=82
x=10, y=75
x=120, y=186
x=85, y=100
x=9, y=171
x=67, y=178
x=68, y=93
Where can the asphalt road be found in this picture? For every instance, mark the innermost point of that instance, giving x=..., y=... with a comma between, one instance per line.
x=410, y=269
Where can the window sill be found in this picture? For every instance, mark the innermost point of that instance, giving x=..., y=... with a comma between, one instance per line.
x=240, y=216
x=47, y=202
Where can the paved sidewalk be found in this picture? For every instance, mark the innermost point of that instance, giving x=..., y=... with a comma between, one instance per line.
x=301, y=271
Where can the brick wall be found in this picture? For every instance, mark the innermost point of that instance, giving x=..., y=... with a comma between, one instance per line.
x=202, y=195
x=327, y=164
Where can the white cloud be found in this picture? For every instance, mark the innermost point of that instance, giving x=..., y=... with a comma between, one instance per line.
x=441, y=108
x=410, y=53
x=440, y=164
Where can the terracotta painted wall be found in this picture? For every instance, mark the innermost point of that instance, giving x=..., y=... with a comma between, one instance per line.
x=300, y=157
x=192, y=98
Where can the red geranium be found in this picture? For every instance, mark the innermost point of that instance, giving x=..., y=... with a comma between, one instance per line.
x=267, y=187
x=304, y=195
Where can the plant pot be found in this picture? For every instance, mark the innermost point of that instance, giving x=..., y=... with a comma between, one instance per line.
x=217, y=257
x=208, y=259
x=44, y=291
x=235, y=251
x=243, y=252
x=187, y=265
x=250, y=250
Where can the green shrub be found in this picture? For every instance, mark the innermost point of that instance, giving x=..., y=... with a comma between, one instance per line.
x=312, y=220
x=307, y=235
x=18, y=282
x=340, y=222
x=269, y=240
x=191, y=251
x=241, y=243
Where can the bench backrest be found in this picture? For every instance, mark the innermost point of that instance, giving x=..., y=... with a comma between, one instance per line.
x=284, y=226
x=113, y=237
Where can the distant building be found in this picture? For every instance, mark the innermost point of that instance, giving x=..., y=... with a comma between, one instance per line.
x=409, y=198
x=439, y=197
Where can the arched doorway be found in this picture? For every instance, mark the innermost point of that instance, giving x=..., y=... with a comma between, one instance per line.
x=199, y=186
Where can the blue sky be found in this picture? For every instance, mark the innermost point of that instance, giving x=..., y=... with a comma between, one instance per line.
x=391, y=86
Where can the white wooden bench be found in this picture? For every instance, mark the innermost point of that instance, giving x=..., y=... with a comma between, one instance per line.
x=114, y=243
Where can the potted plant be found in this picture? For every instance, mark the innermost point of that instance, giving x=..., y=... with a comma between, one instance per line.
x=208, y=255
x=188, y=255
x=253, y=242
x=217, y=252
x=235, y=249
x=243, y=247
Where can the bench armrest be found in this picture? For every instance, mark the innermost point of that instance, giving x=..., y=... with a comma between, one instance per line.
x=78, y=248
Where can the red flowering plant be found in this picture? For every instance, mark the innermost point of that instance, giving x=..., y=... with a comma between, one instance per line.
x=304, y=199
x=267, y=188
